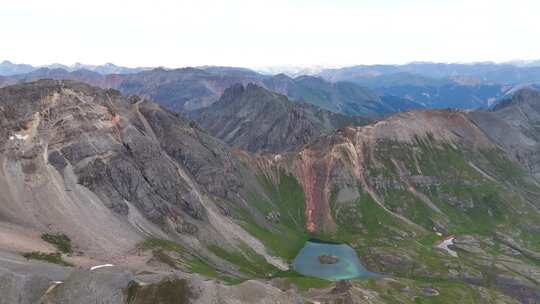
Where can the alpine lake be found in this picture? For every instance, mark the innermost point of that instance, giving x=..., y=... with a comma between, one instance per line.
x=330, y=261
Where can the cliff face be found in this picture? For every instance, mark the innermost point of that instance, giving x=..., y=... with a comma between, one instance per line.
x=257, y=120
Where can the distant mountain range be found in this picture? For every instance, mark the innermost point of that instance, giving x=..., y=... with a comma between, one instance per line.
x=504, y=73
x=188, y=89
x=438, y=85
x=365, y=90
x=8, y=68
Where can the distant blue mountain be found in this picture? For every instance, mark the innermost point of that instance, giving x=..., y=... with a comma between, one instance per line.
x=8, y=68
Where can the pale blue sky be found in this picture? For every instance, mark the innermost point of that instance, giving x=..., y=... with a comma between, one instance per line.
x=255, y=33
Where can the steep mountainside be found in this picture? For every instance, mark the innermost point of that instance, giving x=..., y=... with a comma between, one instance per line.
x=109, y=173
x=89, y=177
x=62, y=133
x=257, y=120
x=514, y=124
x=417, y=176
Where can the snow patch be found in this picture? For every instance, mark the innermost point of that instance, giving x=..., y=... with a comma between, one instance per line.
x=19, y=136
x=444, y=246
x=101, y=266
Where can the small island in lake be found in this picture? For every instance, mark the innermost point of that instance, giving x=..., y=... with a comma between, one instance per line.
x=328, y=259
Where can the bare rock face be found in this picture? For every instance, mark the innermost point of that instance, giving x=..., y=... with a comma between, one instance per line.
x=94, y=136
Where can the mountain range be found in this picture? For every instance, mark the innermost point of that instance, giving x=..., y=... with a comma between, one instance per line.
x=111, y=198
x=367, y=90
x=7, y=68
x=488, y=72
x=188, y=89
x=435, y=85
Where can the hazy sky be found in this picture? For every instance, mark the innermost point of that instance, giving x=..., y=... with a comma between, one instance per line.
x=254, y=33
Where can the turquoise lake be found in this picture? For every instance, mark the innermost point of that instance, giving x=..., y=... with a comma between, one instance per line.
x=347, y=267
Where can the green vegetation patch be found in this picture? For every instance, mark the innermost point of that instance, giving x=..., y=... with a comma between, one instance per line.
x=302, y=282
x=168, y=291
x=285, y=243
x=412, y=208
x=55, y=257
x=472, y=209
x=375, y=219
x=61, y=241
x=287, y=236
x=162, y=250
x=248, y=261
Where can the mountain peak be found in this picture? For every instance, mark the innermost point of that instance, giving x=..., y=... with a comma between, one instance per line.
x=253, y=87
x=255, y=119
x=233, y=92
x=238, y=91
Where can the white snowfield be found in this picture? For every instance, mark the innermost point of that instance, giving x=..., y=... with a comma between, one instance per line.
x=101, y=266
